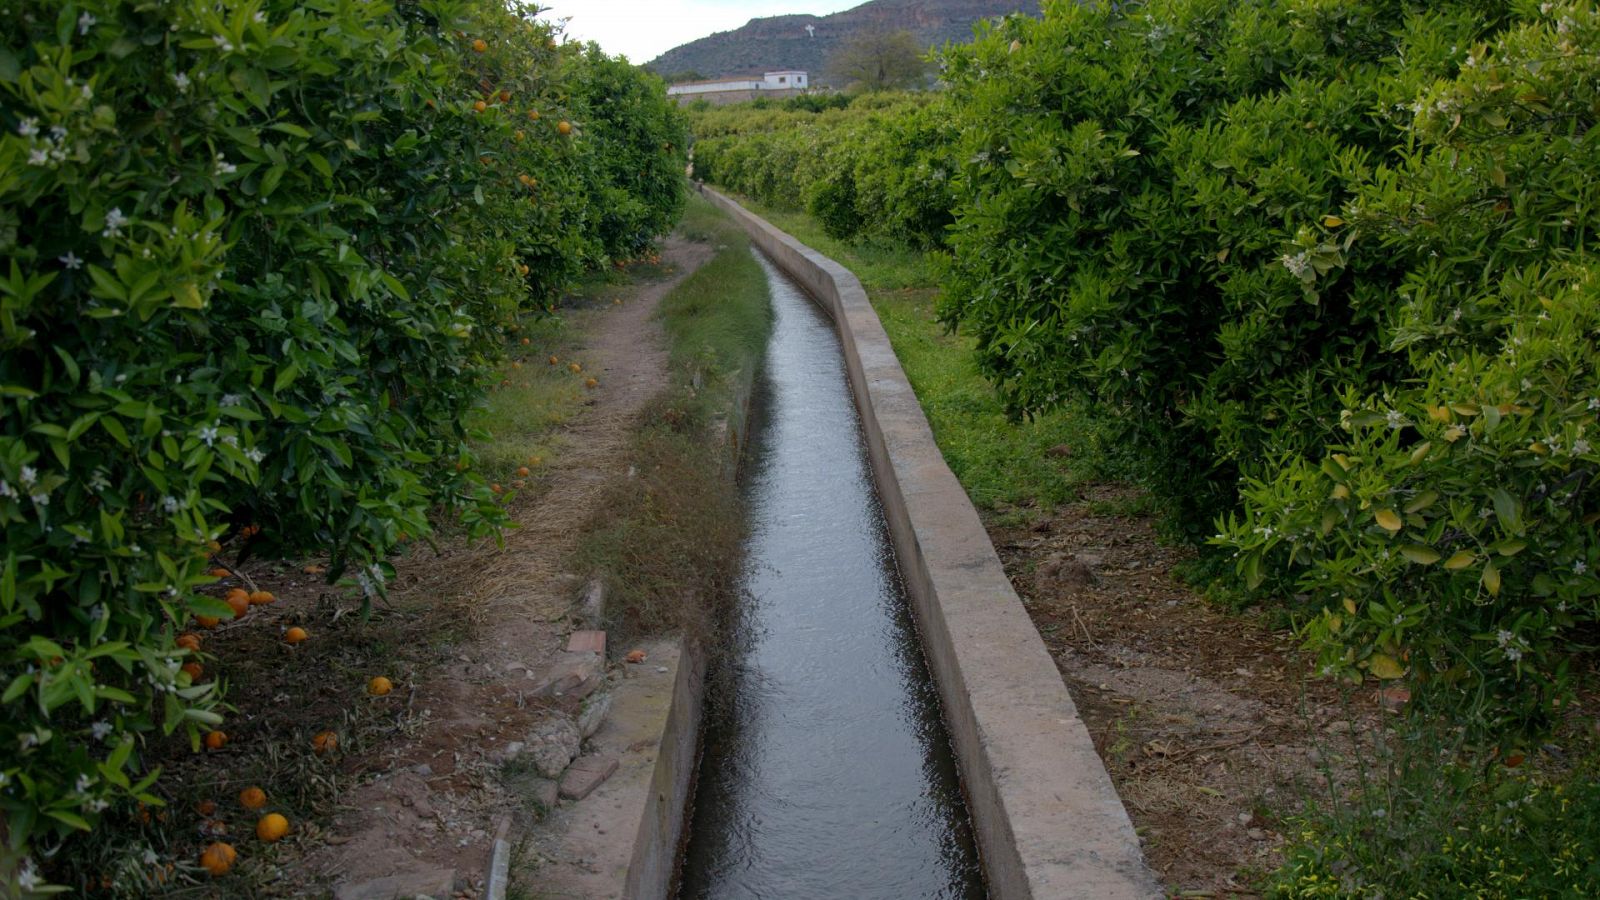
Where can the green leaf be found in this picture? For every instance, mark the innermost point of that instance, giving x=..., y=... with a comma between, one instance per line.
x=1386, y=667
x=1421, y=555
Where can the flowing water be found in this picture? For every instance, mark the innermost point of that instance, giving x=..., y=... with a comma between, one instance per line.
x=827, y=772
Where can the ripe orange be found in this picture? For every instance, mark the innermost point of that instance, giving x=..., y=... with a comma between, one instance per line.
x=564, y=127
x=480, y=106
x=207, y=621
x=189, y=641
x=494, y=488
x=591, y=383
x=239, y=602
x=193, y=670
x=522, y=471
x=574, y=368
x=206, y=808
x=295, y=635
x=505, y=96
x=315, y=569
x=554, y=360
x=218, y=858
x=213, y=546
x=636, y=656
x=257, y=598
x=379, y=686
x=216, y=740
x=480, y=45
x=325, y=742
x=252, y=798
x=272, y=827
x=533, y=115
x=524, y=270
x=525, y=341
x=218, y=573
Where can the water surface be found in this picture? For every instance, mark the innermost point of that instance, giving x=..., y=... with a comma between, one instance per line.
x=827, y=772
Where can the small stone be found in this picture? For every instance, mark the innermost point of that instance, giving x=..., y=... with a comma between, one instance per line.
x=423, y=769
x=546, y=793
x=554, y=744
x=1338, y=727
x=662, y=670
x=1257, y=834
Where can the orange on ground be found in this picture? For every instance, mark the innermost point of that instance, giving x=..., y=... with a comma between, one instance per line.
x=213, y=546
x=525, y=341
x=218, y=858
x=252, y=798
x=480, y=106
x=236, y=592
x=207, y=621
x=324, y=742
x=272, y=827
x=591, y=384
x=574, y=368
x=494, y=488
x=379, y=686
x=258, y=598
x=505, y=96
x=636, y=656
x=189, y=641
x=193, y=670
x=295, y=635
x=218, y=573
x=564, y=127
x=216, y=740
x=315, y=569
x=533, y=115
x=239, y=603
x=522, y=472
x=206, y=807
x=480, y=45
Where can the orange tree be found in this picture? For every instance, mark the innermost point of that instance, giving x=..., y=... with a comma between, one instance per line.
x=258, y=257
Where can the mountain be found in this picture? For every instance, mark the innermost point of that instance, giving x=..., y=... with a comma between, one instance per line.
x=782, y=42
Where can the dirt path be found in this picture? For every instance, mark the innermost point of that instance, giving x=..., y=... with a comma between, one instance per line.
x=437, y=803
x=1209, y=721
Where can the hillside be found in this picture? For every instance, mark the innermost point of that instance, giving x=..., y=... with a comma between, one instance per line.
x=782, y=42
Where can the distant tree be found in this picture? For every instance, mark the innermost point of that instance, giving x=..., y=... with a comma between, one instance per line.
x=681, y=77
x=878, y=61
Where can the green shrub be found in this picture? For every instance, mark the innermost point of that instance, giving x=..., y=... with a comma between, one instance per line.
x=258, y=257
x=1451, y=532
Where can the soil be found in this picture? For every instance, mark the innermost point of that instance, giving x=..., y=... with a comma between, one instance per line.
x=1209, y=721
x=438, y=803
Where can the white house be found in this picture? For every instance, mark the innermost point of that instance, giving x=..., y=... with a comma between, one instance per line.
x=786, y=80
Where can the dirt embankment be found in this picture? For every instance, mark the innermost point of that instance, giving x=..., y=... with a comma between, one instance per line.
x=1209, y=722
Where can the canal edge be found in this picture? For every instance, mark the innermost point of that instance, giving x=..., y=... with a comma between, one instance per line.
x=1049, y=822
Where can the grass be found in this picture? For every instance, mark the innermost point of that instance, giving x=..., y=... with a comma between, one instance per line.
x=667, y=542
x=1011, y=469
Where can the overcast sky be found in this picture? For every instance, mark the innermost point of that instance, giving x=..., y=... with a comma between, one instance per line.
x=644, y=29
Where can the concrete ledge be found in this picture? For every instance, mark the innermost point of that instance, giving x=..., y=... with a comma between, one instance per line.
x=1048, y=821
x=653, y=869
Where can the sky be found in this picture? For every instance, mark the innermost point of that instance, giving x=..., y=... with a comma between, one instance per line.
x=644, y=29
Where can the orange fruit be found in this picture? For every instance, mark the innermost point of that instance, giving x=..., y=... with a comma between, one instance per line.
x=494, y=488
x=636, y=656
x=193, y=670
x=189, y=641
x=533, y=115
x=525, y=341
x=480, y=106
x=522, y=471
x=554, y=360
x=592, y=383
x=315, y=569
x=295, y=635
x=213, y=546
x=519, y=136
x=206, y=808
x=218, y=858
x=257, y=598
x=272, y=827
x=505, y=96
x=379, y=686
x=216, y=740
x=523, y=269
x=218, y=573
x=574, y=368
x=1513, y=759
x=239, y=602
x=535, y=460
x=480, y=45
x=564, y=127
x=325, y=742
x=207, y=621
x=252, y=798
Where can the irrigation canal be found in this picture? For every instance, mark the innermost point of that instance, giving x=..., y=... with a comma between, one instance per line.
x=826, y=769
